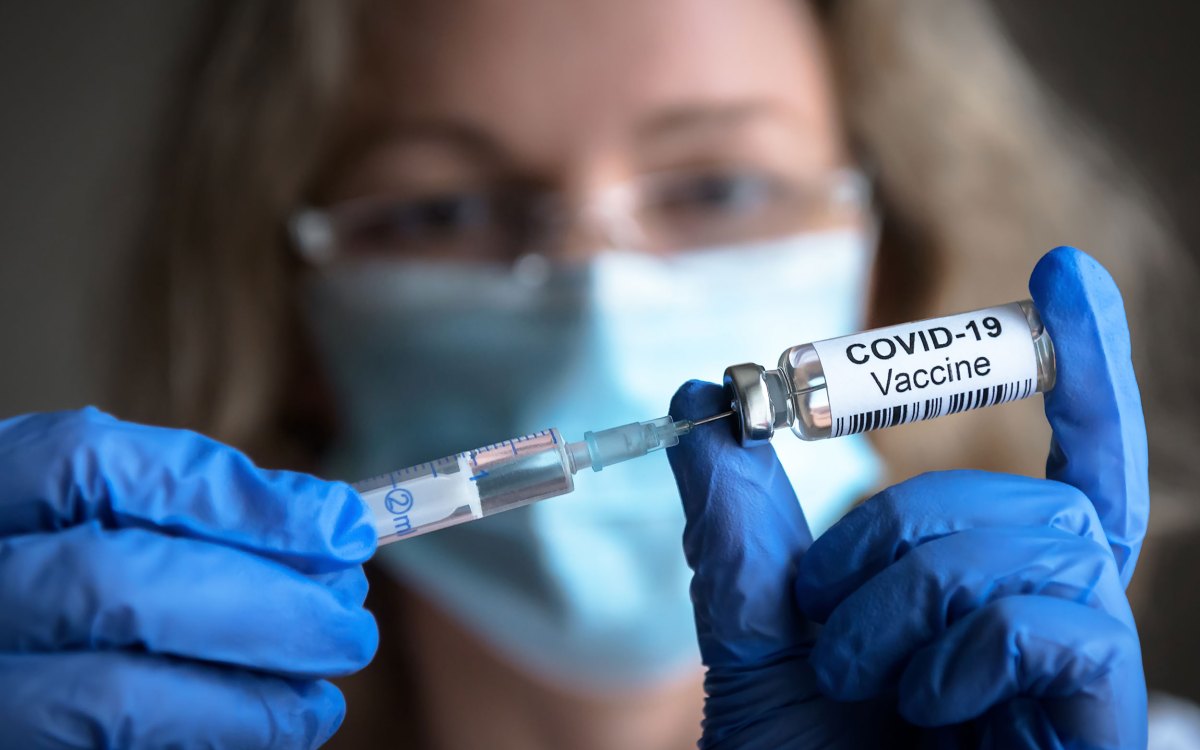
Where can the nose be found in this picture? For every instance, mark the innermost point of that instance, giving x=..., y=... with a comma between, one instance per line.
x=581, y=237
x=604, y=221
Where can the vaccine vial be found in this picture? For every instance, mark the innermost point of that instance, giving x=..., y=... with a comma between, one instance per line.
x=895, y=375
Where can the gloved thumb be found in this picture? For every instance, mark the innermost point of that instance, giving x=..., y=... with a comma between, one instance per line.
x=745, y=534
x=1094, y=409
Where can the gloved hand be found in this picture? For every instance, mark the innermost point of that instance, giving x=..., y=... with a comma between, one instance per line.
x=957, y=609
x=158, y=590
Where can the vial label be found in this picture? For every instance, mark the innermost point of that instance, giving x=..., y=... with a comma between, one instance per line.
x=928, y=369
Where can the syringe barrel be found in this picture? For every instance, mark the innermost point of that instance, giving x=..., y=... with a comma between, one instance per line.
x=894, y=375
x=467, y=486
x=522, y=471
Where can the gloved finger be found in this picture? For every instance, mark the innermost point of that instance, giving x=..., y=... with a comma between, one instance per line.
x=927, y=507
x=1085, y=662
x=92, y=588
x=349, y=585
x=66, y=468
x=1095, y=408
x=744, y=533
x=95, y=699
x=868, y=639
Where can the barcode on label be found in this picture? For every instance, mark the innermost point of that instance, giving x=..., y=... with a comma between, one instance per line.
x=933, y=408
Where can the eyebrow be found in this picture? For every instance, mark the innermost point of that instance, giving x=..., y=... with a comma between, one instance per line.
x=461, y=136
x=699, y=117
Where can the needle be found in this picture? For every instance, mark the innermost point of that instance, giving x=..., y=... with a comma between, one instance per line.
x=713, y=418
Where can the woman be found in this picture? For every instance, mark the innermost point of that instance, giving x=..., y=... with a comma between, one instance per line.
x=456, y=177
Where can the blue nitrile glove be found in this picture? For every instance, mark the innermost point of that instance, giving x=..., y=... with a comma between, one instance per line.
x=957, y=609
x=158, y=590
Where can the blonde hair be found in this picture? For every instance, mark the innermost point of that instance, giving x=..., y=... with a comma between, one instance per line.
x=979, y=172
x=982, y=171
x=216, y=330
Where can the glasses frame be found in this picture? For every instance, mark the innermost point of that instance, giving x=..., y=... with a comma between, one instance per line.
x=314, y=232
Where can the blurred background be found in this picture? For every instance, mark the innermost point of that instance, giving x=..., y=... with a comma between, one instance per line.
x=84, y=86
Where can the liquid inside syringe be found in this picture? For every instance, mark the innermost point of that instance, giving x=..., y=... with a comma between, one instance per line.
x=482, y=482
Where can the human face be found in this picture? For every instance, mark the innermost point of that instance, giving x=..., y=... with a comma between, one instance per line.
x=469, y=112
x=452, y=97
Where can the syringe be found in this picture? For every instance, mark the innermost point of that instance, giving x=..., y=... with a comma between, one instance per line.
x=858, y=383
x=482, y=482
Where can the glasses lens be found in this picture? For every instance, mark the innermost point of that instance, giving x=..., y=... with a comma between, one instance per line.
x=730, y=206
x=460, y=226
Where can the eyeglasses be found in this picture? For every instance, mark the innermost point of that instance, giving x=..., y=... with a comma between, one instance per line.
x=658, y=212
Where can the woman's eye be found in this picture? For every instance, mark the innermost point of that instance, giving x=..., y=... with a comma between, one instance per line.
x=442, y=214
x=717, y=193
x=432, y=224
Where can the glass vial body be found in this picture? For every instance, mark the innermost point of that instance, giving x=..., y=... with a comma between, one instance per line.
x=896, y=375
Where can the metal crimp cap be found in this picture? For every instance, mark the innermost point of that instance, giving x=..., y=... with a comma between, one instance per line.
x=754, y=403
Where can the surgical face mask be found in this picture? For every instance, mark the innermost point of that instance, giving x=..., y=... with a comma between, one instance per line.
x=588, y=591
